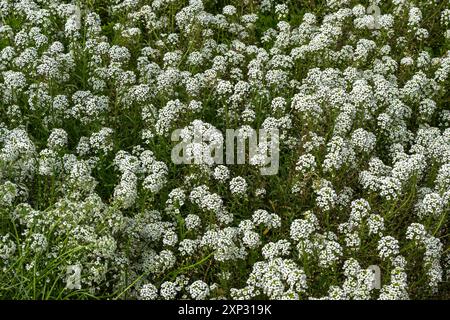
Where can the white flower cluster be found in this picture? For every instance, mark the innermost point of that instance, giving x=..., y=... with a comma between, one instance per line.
x=269, y=220
x=238, y=186
x=433, y=252
x=276, y=279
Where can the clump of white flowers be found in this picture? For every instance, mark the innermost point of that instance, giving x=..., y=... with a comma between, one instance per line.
x=199, y=290
x=238, y=186
x=262, y=217
x=148, y=292
x=388, y=247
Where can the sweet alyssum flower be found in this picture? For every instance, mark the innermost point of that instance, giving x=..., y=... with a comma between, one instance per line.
x=92, y=101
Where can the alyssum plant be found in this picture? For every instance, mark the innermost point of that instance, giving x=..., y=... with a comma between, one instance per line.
x=93, y=207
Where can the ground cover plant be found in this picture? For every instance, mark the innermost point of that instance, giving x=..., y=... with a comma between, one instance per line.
x=93, y=205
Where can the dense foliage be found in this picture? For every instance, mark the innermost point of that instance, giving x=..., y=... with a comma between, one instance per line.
x=91, y=91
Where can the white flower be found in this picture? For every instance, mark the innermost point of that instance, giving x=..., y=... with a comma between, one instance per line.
x=238, y=186
x=326, y=198
x=388, y=247
x=8, y=192
x=229, y=10
x=192, y=221
x=168, y=290
x=126, y=191
x=221, y=173
x=363, y=140
x=199, y=290
x=431, y=205
x=301, y=229
x=57, y=139
x=148, y=292
x=306, y=163
x=267, y=219
x=375, y=223
x=251, y=239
